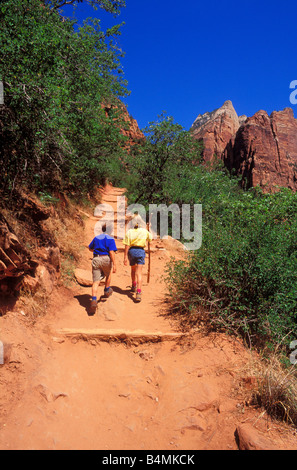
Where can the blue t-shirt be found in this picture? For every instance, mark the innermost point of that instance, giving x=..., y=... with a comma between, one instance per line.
x=102, y=244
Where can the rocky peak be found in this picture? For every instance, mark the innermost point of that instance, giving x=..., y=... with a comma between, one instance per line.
x=216, y=130
x=226, y=109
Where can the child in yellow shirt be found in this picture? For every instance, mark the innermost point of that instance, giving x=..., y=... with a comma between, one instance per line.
x=135, y=242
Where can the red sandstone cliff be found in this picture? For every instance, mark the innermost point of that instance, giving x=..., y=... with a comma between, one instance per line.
x=128, y=125
x=132, y=131
x=265, y=150
x=262, y=149
x=217, y=131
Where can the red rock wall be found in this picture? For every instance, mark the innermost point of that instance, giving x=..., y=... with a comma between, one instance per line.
x=216, y=130
x=262, y=149
x=265, y=151
x=18, y=269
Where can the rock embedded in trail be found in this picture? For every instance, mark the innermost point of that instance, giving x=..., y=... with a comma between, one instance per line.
x=83, y=277
x=113, y=308
x=250, y=439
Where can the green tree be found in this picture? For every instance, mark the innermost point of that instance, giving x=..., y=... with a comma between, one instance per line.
x=166, y=156
x=111, y=6
x=57, y=78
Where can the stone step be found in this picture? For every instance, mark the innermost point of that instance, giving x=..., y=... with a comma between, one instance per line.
x=106, y=335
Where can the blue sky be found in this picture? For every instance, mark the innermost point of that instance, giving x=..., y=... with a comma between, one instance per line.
x=189, y=57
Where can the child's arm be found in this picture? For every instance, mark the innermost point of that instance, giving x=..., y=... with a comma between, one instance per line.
x=113, y=259
x=126, y=255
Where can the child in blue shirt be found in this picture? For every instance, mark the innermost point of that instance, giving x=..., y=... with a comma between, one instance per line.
x=103, y=264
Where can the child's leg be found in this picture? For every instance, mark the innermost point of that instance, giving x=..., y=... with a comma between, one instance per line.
x=138, y=276
x=133, y=275
x=95, y=288
x=108, y=281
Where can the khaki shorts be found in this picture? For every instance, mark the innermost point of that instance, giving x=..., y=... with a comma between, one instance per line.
x=101, y=267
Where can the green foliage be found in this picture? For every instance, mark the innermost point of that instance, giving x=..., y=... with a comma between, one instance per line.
x=244, y=275
x=57, y=79
x=111, y=6
x=166, y=156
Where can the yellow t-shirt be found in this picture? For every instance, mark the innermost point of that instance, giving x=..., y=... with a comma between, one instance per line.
x=137, y=237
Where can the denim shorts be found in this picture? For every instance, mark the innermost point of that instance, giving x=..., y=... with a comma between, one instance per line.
x=136, y=255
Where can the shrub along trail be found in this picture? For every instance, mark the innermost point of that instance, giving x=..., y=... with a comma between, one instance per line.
x=120, y=379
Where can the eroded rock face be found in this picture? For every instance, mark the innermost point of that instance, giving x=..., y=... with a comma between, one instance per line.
x=217, y=131
x=19, y=270
x=128, y=125
x=262, y=149
x=15, y=261
x=265, y=151
x=132, y=130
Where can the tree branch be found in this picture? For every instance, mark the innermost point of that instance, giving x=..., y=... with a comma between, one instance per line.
x=69, y=2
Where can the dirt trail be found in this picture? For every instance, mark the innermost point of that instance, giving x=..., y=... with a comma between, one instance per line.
x=78, y=392
x=119, y=311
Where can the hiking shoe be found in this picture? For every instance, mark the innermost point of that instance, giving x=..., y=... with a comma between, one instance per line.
x=138, y=297
x=108, y=292
x=134, y=289
x=93, y=307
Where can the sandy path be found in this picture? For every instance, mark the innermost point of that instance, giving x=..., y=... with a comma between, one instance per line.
x=76, y=394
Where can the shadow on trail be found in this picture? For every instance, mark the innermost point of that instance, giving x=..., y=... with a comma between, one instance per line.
x=85, y=299
x=127, y=292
